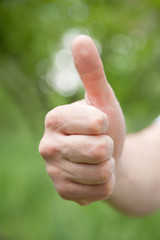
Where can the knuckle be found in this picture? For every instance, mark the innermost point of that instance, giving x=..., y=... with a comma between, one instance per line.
x=42, y=148
x=58, y=178
x=48, y=150
x=62, y=190
x=100, y=151
x=110, y=146
x=107, y=188
x=53, y=118
x=53, y=172
x=105, y=193
x=49, y=119
x=112, y=165
x=104, y=172
x=97, y=124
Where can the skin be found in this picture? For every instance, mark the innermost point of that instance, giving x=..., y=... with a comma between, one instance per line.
x=83, y=142
x=138, y=179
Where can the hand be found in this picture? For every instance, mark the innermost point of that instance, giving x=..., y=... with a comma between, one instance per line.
x=83, y=141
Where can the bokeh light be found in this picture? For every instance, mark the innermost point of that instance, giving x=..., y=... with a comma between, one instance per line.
x=62, y=76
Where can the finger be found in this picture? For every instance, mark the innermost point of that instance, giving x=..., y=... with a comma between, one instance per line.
x=86, y=174
x=89, y=66
x=80, y=192
x=77, y=119
x=91, y=149
x=87, y=149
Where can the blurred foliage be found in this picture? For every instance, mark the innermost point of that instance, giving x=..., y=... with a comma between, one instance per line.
x=30, y=34
x=127, y=30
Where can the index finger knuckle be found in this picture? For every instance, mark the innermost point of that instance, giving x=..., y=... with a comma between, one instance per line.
x=98, y=124
x=53, y=118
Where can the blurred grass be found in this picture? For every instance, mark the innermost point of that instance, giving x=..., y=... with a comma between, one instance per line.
x=31, y=32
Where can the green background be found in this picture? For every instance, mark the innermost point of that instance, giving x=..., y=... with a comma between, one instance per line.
x=31, y=33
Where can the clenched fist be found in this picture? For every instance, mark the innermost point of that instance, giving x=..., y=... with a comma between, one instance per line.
x=83, y=141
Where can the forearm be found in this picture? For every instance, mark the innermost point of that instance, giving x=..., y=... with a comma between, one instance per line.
x=137, y=189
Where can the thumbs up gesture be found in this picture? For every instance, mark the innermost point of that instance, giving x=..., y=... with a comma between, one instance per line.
x=83, y=141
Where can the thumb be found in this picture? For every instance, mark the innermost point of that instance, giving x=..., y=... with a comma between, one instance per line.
x=89, y=66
